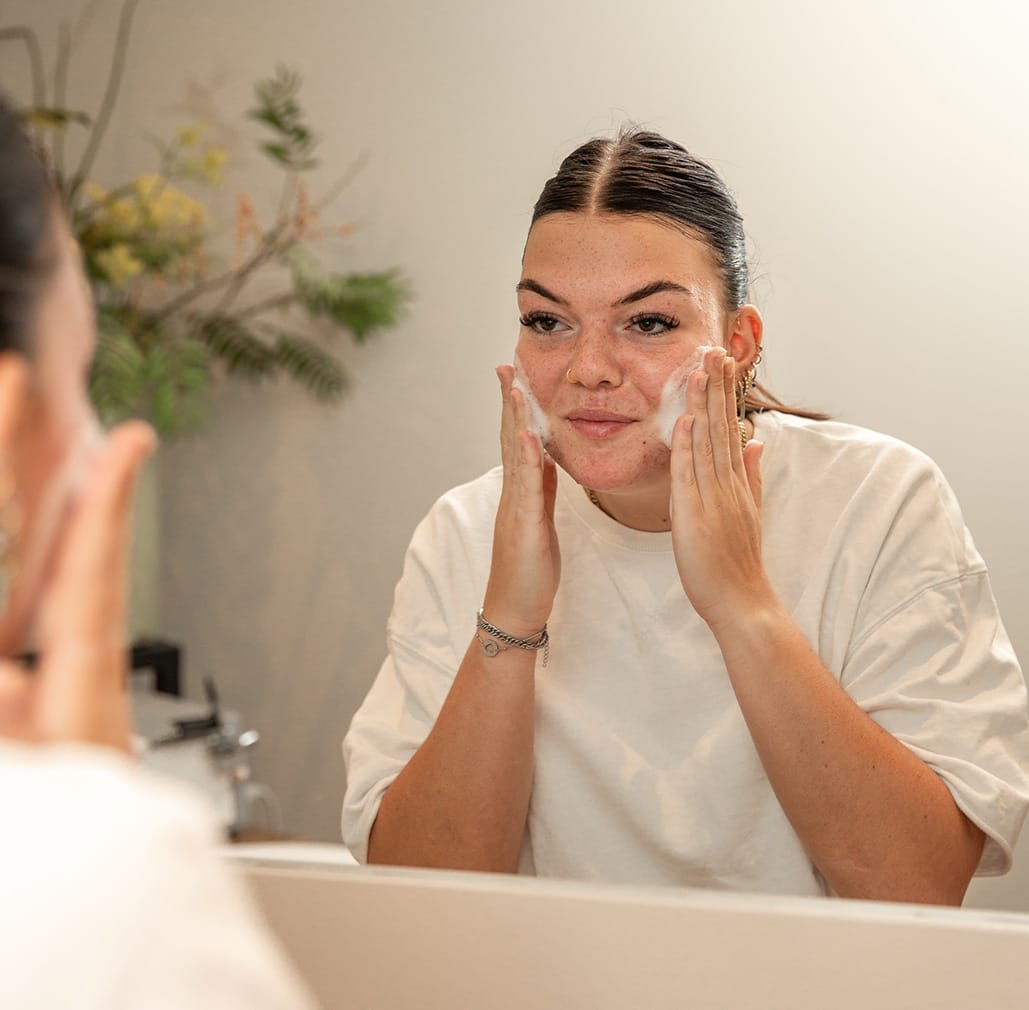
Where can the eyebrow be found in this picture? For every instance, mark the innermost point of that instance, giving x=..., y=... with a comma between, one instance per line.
x=530, y=285
x=654, y=288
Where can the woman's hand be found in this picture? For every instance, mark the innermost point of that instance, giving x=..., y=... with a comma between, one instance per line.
x=526, y=564
x=716, y=499
x=77, y=692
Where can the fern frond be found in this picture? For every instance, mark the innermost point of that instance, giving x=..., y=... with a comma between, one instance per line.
x=278, y=108
x=243, y=352
x=311, y=365
x=363, y=303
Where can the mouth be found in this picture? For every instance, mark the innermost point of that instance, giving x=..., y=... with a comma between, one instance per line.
x=598, y=423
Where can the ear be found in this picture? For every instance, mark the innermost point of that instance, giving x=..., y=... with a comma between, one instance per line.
x=744, y=342
x=14, y=377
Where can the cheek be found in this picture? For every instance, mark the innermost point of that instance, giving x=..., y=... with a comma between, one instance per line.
x=541, y=371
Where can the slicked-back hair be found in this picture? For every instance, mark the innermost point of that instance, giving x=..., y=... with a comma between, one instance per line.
x=642, y=174
x=27, y=203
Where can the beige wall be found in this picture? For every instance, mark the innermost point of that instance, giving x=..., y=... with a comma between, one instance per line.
x=878, y=150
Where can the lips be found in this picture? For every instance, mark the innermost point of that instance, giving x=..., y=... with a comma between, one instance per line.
x=598, y=423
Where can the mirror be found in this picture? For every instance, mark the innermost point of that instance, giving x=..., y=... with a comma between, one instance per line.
x=878, y=154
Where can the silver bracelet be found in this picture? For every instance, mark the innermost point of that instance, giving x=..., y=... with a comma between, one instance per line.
x=501, y=641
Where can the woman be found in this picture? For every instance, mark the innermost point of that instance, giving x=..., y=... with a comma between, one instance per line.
x=113, y=894
x=775, y=662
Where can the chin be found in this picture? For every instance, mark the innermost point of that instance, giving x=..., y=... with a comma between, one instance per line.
x=613, y=470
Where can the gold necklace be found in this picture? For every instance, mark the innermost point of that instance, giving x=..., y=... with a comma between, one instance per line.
x=592, y=495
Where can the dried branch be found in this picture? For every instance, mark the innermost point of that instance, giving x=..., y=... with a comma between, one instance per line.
x=279, y=301
x=353, y=170
x=230, y=277
x=61, y=62
x=96, y=136
x=28, y=36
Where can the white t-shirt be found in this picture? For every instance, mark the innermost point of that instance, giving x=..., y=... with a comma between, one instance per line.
x=644, y=769
x=114, y=896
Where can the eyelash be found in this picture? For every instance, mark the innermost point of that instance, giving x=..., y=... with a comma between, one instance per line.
x=532, y=319
x=668, y=322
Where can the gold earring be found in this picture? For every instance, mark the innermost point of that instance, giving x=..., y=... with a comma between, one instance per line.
x=743, y=387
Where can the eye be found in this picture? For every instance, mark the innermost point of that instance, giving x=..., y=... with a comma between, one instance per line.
x=541, y=322
x=653, y=324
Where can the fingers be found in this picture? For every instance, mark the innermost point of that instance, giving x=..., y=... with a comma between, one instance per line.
x=85, y=609
x=701, y=449
x=549, y=485
x=718, y=364
x=731, y=420
x=505, y=374
x=683, y=468
x=752, y=462
x=15, y=703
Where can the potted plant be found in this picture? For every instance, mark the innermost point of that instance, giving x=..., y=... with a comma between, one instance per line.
x=177, y=303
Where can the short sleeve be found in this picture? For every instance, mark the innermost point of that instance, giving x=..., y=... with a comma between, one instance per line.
x=390, y=726
x=430, y=627
x=939, y=673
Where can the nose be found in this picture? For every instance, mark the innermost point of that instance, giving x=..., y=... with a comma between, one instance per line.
x=594, y=363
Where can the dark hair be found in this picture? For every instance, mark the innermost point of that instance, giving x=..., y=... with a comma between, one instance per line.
x=643, y=173
x=27, y=202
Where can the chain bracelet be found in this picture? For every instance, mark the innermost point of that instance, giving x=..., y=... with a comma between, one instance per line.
x=502, y=641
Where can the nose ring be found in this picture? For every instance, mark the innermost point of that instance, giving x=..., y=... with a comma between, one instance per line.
x=568, y=376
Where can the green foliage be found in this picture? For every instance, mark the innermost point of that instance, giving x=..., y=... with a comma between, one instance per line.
x=241, y=350
x=311, y=365
x=170, y=377
x=168, y=326
x=363, y=303
x=278, y=108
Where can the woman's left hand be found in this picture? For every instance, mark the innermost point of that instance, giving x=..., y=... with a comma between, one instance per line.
x=77, y=692
x=716, y=499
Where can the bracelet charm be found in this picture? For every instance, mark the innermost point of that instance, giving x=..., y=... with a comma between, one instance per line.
x=501, y=641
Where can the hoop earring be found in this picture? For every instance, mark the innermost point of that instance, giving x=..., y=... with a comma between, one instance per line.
x=743, y=388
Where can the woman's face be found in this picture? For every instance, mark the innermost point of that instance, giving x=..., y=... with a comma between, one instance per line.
x=611, y=306
x=58, y=434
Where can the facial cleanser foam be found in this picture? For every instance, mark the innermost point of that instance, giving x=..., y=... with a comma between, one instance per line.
x=538, y=423
x=673, y=396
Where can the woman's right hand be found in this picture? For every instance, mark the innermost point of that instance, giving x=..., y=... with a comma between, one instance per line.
x=526, y=565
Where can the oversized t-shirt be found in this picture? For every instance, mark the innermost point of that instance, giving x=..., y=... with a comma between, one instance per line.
x=644, y=770
x=114, y=896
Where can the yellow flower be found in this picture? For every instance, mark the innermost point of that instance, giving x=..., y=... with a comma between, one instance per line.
x=214, y=161
x=118, y=264
x=96, y=193
x=122, y=217
x=190, y=134
x=207, y=166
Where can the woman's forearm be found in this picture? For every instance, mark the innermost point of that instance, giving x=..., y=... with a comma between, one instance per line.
x=875, y=819
x=462, y=800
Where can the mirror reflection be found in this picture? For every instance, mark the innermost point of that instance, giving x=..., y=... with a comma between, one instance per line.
x=778, y=666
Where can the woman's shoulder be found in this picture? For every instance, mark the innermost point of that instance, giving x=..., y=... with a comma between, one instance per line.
x=474, y=497
x=838, y=447
x=466, y=511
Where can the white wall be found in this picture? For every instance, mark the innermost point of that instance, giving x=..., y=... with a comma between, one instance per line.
x=878, y=150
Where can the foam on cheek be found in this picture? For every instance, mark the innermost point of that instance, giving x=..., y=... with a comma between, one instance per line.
x=538, y=423
x=673, y=396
